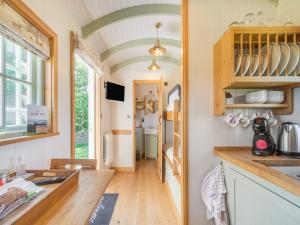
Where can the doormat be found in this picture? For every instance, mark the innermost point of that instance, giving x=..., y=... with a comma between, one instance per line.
x=104, y=210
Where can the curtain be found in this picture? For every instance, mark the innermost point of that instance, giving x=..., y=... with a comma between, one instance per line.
x=16, y=28
x=89, y=57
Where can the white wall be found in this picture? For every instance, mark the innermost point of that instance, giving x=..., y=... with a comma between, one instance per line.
x=38, y=153
x=207, y=22
x=105, y=112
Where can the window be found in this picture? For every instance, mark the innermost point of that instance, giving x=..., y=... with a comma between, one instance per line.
x=22, y=76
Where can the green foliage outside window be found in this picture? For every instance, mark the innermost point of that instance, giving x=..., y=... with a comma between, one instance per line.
x=81, y=96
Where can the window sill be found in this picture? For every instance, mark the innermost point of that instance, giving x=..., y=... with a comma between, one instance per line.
x=15, y=140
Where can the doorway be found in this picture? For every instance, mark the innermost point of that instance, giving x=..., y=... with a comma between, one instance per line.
x=147, y=113
x=84, y=110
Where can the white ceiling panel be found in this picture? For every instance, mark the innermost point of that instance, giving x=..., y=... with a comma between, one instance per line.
x=125, y=30
x=140, y=27
x=140, y=51
x=99, y=8
x=141, y=67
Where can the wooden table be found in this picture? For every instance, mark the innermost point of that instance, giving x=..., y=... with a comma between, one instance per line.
x=78, y=204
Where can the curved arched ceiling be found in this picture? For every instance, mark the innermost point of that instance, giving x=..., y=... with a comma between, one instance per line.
x=121, y=35
x=145, y=58
x=138, y=42
x=134, y=11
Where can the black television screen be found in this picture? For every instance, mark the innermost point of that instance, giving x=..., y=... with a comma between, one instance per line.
x=115, y=91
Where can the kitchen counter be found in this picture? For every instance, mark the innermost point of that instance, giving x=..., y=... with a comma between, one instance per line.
x=260, y=166
x=76, y=207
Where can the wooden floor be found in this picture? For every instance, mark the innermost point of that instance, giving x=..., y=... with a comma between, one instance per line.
x=143, y=200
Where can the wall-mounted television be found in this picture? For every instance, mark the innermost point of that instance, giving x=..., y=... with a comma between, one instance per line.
x=115, y=91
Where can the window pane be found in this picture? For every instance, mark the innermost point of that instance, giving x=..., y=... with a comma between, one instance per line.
x=23, y=118
x=23, y=82
x=1, y=99
x=25, y=95
x=10, y=72
x=10, y=118
x=1, y=59
x=10, y=93
x=10, y=53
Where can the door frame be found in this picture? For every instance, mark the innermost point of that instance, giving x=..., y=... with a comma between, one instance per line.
x=134, y=84
x=97, y=104
x=184, y=114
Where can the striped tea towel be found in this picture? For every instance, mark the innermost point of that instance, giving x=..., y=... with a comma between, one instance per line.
x=214, y=194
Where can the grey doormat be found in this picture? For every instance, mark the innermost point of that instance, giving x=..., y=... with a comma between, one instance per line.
x=104, y=210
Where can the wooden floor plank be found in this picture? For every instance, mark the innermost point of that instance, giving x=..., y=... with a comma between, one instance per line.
x=143, y=200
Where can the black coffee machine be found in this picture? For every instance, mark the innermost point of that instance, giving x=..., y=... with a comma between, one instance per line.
x=263, y=143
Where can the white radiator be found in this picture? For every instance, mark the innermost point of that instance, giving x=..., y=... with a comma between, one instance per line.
x=108, y=148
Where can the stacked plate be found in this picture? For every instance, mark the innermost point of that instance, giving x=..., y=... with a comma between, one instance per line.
x=284, y=60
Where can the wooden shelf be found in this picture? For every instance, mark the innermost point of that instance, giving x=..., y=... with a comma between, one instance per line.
x=169, y=115
x=252, y=41
x=14, y=140
x=177, y=160
x=257, y=106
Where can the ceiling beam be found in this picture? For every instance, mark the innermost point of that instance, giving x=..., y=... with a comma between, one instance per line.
x=138, y=42
x=151, y=9
x=139, y=59
x=274, y=2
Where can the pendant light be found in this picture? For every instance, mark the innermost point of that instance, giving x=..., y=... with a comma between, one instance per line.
x=154, y=66
x=157, y=49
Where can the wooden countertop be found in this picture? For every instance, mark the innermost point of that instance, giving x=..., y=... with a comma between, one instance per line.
x=260, y=166
x=76, y=207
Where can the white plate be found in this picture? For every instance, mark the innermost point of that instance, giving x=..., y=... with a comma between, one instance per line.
x=245, y=64
x=237, y=64
x=254, y=64
x=275, y=57
x=297, y=70
x=285, y=57
x=294, y=59
x=264, y=61
x=257, y=97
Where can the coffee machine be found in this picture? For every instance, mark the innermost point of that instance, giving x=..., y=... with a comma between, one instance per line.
x=263, y=143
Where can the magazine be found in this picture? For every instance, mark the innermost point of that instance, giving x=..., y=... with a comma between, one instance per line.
x=37, y=119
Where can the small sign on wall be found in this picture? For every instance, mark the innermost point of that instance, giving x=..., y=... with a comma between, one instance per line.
x=37, y=119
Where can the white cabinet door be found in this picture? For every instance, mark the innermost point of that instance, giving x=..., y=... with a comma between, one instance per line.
x=256, y=205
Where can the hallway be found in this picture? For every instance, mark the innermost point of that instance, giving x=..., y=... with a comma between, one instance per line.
x=143, y=200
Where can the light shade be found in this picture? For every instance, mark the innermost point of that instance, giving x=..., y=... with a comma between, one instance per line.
x=157, y=49
x=154, y=66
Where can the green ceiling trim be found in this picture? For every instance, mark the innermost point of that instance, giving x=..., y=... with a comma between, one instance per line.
x=274, y=2
x=131, y=61
x=138, y=42
x=127, y=13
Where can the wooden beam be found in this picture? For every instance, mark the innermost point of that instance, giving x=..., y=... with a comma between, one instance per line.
x=184, y=112
x=121, y=132
x=138, y=42
x=131, y=61
x=134, y=11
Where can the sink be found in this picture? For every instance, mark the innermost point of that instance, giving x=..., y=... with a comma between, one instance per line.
x=287, y=166
x=151, y=131
x=293, y=171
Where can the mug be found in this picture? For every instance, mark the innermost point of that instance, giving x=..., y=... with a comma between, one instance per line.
x=245, y=121
x=232, y=119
